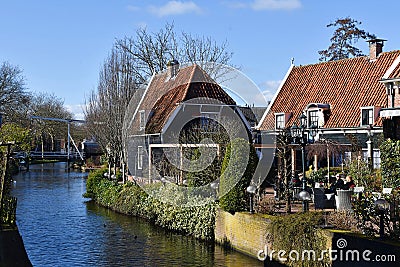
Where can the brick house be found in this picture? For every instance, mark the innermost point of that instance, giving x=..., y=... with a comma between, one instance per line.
x=181, y=99
x=391, y=113
x=343, y=98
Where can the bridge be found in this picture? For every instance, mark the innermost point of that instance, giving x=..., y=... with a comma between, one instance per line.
x=57, y=155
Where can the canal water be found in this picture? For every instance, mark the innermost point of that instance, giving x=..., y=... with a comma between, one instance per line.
x=61, y=228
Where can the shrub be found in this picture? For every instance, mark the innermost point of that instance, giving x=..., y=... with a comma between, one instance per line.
x=131, y=199
x=92, y=181
x=343, y=220
x=298, y=232
x=390, y=163
x=239, y=156
x=369, y=218
x=267, y=205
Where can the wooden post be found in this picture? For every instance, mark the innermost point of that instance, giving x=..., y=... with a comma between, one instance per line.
x=4, y=175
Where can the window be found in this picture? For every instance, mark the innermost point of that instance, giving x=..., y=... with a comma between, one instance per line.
x=142, y=119
x=367, y=116
x=313, y=118
x=140, y=158
x=279, y=121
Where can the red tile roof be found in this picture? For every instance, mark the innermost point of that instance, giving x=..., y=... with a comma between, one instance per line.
x=395, y=73
x=164, y=94
x=346, y=85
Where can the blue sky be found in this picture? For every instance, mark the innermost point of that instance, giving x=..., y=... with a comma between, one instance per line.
x=61, y=45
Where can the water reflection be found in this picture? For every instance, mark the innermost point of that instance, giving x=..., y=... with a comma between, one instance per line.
x=60, y=228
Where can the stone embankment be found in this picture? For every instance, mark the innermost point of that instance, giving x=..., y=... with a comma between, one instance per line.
x=12, y=249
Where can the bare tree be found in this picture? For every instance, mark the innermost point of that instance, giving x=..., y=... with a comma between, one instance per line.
x=283, y=154
x=105, y=107
x=14, y=98
x=152, y=51
x=48, y=106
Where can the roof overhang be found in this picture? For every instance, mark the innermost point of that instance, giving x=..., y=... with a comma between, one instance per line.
x=389, y=112
x=322, y=106
x=389, y=80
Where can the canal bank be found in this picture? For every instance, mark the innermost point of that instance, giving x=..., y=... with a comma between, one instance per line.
x=12, y=249
x=61, y=228
x=247, y=233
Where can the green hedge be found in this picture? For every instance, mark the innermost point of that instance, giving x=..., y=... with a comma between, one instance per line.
x=238, y=167
x=131, y=199
x=298, y=233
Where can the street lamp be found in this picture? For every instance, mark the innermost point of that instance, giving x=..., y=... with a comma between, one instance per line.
x=305, y=197
x=370, y=147
x=300, y=135
x=214, y=185
x=251, y=189
x=381, y=206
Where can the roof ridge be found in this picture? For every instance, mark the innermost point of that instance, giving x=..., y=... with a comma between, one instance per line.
x=189, y=80
x=346, y=59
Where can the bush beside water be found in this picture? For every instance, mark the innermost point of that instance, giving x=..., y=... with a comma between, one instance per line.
x=131, y=199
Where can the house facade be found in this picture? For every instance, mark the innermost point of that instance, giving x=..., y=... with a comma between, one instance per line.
x=182, y=109
x=344, y=100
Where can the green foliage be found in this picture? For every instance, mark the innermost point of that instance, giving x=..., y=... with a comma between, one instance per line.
x=130, y=199
x=12, y=132
x=238, y=167
x=390, y=163
x=196, y=178
x=346, y=34
x=369, y=218
x=319, y=175
x=92, y=182
x=298, y=232
x=363, y=176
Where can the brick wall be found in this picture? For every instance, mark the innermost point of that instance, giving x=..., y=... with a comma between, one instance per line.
x=245, y=232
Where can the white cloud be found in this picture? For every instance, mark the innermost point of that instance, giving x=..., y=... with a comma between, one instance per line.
x=77, y=111
x=175, y=8
x=275, y=4
x=269, y=89
x=141, y=25
x=268, y=4
x=133, y=8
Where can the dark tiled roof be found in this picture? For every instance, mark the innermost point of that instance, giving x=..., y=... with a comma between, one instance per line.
x=346, y=85
x=164, y=94
x=253, y=114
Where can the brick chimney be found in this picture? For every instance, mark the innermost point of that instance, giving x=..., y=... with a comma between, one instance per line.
x=173, y=67
x=375, y=48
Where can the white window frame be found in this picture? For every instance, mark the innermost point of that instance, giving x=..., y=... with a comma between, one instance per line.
x=142, y=119
x=140, y=157
x=371, y=116
x=277, y=122
x=309, y=121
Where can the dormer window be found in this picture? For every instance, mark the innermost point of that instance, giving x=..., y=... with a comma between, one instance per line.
x=367, y=116
x=317, y=114
x=313, y=118
x=281, y=120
